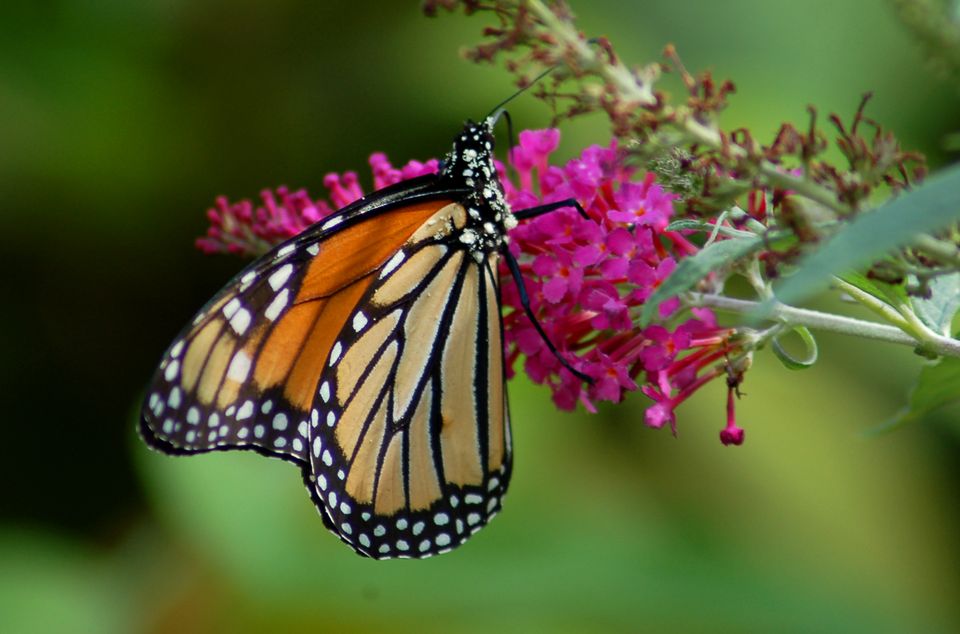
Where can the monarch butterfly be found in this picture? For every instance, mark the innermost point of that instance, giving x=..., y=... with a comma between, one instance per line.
x=368, y=351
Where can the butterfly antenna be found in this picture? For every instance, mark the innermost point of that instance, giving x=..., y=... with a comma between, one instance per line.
x=498, y=109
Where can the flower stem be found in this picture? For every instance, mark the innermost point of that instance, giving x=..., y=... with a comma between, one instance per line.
x=833, y=323
x=871, y=303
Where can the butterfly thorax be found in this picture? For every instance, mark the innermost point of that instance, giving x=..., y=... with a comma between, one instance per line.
x=470, y=165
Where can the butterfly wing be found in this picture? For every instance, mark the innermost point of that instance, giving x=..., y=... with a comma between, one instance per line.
x=245, y=372
x=409, y=439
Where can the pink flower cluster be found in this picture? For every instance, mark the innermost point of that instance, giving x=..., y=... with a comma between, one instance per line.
x=242, y=229
x=586, y=279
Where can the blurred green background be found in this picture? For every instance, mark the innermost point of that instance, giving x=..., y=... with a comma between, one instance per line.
x=119, y=123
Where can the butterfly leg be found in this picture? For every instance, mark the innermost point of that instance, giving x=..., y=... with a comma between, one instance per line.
x=539, y=210
x=525, y=303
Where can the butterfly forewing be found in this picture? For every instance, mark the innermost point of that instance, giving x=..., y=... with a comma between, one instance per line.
x=245, y=373
x=409, y=446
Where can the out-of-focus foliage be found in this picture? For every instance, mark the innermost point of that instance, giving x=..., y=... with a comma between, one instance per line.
x=120, y=122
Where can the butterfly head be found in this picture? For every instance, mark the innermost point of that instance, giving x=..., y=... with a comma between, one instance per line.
x=470, y=166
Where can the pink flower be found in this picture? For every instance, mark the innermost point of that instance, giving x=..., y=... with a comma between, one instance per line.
x=643, y=203
x=611, y=379
x=242, y=229
x=731, y=434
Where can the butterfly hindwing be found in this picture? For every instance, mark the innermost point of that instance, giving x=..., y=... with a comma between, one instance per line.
x=245, y=372
x=409, y=444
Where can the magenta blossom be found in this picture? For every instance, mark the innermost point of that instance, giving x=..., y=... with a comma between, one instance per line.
x=586, y=278
x=239, y=228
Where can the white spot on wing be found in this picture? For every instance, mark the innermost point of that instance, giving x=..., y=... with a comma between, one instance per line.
x=280, y=421
x=279, y=277
x=232, y=307
x=327, y=457
x=245, y=411
x=277, y=305
x=391, y=264
x=313, y=249
x=171, y=372
x=325, y=391
x=359, y=321
x=332, y=222
x=335, y=353
x=239, y=367
x=240, y=321
x=287, y=250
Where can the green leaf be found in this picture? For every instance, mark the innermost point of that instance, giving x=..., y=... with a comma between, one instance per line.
x=932, y=206
x=694, y=268
x=791, y=362
x=938, y=311
x=889, y=293
x=685, y=224
x=937, y=386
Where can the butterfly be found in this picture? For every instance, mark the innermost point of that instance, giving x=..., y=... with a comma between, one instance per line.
x=368, y=351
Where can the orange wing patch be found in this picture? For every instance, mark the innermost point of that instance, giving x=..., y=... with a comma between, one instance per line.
x=246, y=373
x=358, y=250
